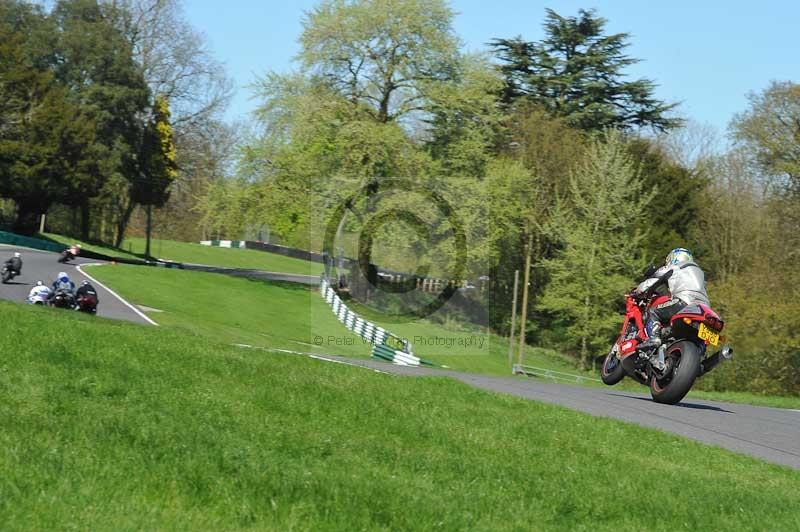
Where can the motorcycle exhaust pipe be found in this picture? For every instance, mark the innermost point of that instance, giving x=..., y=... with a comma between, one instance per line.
x=726, y=353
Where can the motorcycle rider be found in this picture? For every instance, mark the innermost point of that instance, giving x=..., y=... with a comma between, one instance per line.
x=63, y=284
x=687, y=285
x=40, y=291
x=69, y=254
x=85, y=290
x=14, y=264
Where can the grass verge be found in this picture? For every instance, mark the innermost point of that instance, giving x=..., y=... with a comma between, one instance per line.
x=109, y=251
x=293, y=317
x=110, y=426
x=231, y=258
x=133, y=248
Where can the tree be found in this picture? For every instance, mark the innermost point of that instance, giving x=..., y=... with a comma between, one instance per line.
x=48, y=143
x=770, y=130
x=174, y=59
x=598, y=228
x=159, y=168
x=205, y=155
x=466, y=118
x=677, y=202
x=691, y=145
x=316, y=149
x=176, y=64
x=95, y=63
x=762, y=317
x=733, y=224
x=577, y=72
x=51, y=159
x=522, y=190
x=381, y=54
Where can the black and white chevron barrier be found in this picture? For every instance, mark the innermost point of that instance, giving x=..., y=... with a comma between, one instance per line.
x=374, y=334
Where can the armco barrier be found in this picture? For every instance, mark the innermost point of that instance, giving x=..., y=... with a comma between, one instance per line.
x=236, y=244
x=14, y=239
x=374, y=334
x=294, y=253
x=423, y=284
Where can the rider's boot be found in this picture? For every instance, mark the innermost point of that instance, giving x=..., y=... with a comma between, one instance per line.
x=654, y=339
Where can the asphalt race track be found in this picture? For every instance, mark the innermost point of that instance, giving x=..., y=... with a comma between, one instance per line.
x=43, y=265
x=771, y=434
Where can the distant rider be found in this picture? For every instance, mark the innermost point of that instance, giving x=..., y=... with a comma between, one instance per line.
x=87, y=290
x=63, y=284
x=70, y=253
x=39, y=293
x=687, y=285
x=14, y=264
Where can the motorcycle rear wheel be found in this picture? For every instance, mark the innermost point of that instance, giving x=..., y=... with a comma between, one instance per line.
x=611, y=372
x=7, y=275
x=673, y=387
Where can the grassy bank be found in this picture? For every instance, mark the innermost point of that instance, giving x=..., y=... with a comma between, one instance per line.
x=109, y=251
x=215, y=256
x=293, y=317
x=133, y=248
x=110, y=426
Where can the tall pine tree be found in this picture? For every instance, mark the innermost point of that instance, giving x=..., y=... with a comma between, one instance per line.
x=577, y=72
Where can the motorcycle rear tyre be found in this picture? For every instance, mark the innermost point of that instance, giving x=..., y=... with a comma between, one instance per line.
x=683, y=376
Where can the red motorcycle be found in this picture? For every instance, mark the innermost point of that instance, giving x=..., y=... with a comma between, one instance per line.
x=670, y=370
x=86, y=303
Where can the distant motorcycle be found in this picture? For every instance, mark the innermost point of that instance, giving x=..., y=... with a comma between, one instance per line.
x=87, y=303
x=69, y=254
x=65, y=257
x=7, y=274
x=38, y=300
x=63, y=299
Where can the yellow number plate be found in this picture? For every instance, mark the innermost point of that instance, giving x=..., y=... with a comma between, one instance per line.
x=704, y=333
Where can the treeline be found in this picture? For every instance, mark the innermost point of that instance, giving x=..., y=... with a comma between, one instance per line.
x=106, y=106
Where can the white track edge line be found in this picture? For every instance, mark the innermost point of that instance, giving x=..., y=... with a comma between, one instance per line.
x=133, y=308
x=311, y=355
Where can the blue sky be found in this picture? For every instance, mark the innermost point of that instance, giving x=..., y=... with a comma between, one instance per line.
x=707, y=54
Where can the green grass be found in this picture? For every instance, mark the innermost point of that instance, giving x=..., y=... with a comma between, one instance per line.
x=232, y=258
x=110, y=426
x=133, y=248
x=233, y=310
x=104, y=250
x=293, y=317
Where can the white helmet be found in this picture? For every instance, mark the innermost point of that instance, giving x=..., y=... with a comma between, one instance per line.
x=679, y=256
x=63, y=277
x=17, y=255
x=39, y=283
